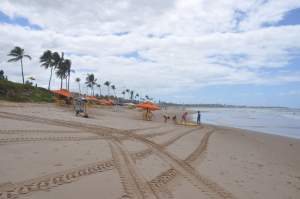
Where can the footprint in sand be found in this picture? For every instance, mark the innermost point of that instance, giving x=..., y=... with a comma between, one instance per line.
x=58, y=165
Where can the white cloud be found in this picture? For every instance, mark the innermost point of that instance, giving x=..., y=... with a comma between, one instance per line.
x=193, y=43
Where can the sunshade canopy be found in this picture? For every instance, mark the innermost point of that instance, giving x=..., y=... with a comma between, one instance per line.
x=62, y=92
x=148, y=105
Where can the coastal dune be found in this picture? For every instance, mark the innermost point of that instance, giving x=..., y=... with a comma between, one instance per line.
x=47, y=152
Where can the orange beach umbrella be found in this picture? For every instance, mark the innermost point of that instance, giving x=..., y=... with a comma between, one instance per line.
x=148, y=105
x=62, y=92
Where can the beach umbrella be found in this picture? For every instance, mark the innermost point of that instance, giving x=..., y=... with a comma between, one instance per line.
x=148, y=105
x=62, y=92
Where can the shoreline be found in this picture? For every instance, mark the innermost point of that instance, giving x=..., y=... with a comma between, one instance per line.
x=268, y=121
x=254, y=131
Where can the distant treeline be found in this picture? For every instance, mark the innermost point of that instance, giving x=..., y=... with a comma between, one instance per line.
x=214, y=105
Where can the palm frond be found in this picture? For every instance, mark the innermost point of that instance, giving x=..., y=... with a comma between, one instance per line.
x=28, y=56
x=13, y=54
x=13, y=59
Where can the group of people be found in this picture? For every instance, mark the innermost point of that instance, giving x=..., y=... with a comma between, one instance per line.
x=183, y=118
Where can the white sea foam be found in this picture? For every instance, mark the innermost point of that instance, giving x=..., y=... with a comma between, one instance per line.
x=279, y=121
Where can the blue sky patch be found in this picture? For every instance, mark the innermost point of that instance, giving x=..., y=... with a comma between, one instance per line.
x=291, y=18
x=135, y=55
x=239, y=16
x=20, y=21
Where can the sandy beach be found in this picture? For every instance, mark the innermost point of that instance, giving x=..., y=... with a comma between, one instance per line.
x=47, y=152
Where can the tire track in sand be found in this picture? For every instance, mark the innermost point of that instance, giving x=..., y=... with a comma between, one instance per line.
x=182, y=167
x=167, y=176
x=211, y=189
x=48, y=182
x=99, y=130
x=135, y=186
x=13, y=190
x=39, y=139
x=35, y=131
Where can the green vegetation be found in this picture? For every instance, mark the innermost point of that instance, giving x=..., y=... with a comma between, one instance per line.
x=16, y=92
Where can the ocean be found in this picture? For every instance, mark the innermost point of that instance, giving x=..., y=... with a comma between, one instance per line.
x=279, y=121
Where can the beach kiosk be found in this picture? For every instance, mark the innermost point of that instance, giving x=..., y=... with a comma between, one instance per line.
x=80, y=107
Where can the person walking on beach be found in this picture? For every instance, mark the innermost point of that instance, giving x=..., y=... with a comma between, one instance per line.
x=199, y=118
x=183, y=117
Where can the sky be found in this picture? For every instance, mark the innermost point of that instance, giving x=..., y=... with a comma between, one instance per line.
x=184, y=51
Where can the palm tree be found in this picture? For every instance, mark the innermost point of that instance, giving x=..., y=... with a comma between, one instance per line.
x=61, y=73
x=56, y=59
x=61, y=67
x=107, y=83
x=68, y=64
x=18, y=54
x=127, y=91
x=131, y=94
x=99, y=86
x=47, y=61
x=123, y=93
x=2, y=74
x=136, y=95
x=91, y=81
x=114, y=89
x=64, y=68
x=147, y=97
x=78, y=81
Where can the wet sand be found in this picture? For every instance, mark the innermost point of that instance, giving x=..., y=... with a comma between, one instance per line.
x=48, y=152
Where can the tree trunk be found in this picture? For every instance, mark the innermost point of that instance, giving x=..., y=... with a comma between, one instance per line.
x=69, y=81
x=79, y=88
x=50, y=78
x=61, y=83
x=22, y=71
x=66, y=83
